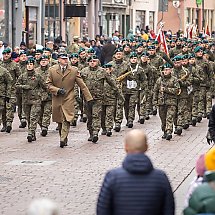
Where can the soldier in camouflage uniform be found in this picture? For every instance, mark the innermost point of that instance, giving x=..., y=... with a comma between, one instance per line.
x=109, y=103
x=48, y=53
x=182, y=74
x=5, y=90
x=31, y=84
x=131, y=85
x=94, y=77
x=126, y=52
x=177, y=49
x=156, y=61
x=74, y=62
x=165, y=96
x=37, y=56
x=21, y=114
x=46, y=99
x=119, y=68
x=205, y=103
x=13, y=68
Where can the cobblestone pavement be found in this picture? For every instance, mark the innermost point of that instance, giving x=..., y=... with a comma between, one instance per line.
x=74, y=177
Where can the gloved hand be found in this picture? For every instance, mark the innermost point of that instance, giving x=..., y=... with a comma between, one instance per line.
x=7, y=99
x=26, y=87
x=210, y=141
x=61, y=91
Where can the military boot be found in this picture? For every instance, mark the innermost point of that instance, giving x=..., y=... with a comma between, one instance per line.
x=104, y=132
x=186, y=126
x=130, y=124
x=168, y=136
x=154, y=112
x=164, y=135
x=3, y=128
x=208, y=115
x=9, y=127
x=84, y=119
x=178, y=131
x=74, y=123
x=44, y=131
x=142, y=121
x=117, y=128
x=147, y=117
x=95, y=138
x=109, y=132
x=194, y=122
x=23, y=123
x=199, y=119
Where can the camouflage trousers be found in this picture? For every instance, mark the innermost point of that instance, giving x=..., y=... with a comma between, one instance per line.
x=21, y=113
x=130, y=105
x=107, y=116
x=119, y=111
x=8, y=112
x=205, y=101
x=195, y=103
x=94, y=117
x=180, y=118
x=76, y=109
x=32, y=111
x=45, y=114
x=149, y=98
x=167, y=114
x=2, y=107
x=142, y=104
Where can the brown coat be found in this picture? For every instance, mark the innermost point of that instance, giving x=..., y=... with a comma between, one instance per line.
x=63, y=105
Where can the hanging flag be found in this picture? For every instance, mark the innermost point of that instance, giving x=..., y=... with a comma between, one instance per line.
x=190, y=36
x=207, y=32
x=162, y=40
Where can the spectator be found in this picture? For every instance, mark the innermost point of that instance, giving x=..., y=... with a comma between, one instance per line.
x=130, y=35
x=23, y=46
x=43, y=207
x=1, y=49
x=15, y=54
x=107, y=52
x=136, y=187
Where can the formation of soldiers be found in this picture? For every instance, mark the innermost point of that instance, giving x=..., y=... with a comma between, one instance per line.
x=140, y=79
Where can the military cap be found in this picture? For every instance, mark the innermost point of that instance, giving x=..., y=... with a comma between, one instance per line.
x=206, y=52
x=47, y=49
x=62, y=55
x=39, y=51
x=139, y=44
x=126, y=45
x=205, y=41
x=118, y=50
x=144, y=54
x=197, y=49
x=155, y=42
x=191, y=56
x=73, y=55
x=44, y=57
x=184, y=56
x=185, y=45
x=151, y=47
x=22, y=52
x=81, y=50
x=91, y=50
x=30, y=60
x=166, y=66
x=107, y=65
x=6, y=51
x=177, y=58
x=93, y=57
x=133, y=54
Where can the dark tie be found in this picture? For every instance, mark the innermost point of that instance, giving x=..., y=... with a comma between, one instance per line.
x=63, y=70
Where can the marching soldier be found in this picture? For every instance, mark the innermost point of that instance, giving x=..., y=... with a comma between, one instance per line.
x=165, y=97
x=14, y=70
x=37, y=56
x=31, y=83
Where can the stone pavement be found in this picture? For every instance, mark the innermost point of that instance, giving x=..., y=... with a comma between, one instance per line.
x=74, y=174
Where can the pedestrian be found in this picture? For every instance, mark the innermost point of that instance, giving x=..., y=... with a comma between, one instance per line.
x=136, y=187
x=61, y=81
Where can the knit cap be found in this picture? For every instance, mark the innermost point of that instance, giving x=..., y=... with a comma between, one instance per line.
x=210, y=159
x=200, y=165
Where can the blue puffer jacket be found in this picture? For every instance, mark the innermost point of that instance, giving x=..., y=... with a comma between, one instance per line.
x=136, y=188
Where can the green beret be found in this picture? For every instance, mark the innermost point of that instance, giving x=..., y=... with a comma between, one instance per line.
x=139, y=45
x=144, y=54
x=30, y=60
x=151, y=47
x=6, y=51
x=118, y=50
x=93, y=57
x=126, y=45
x=197, y=49
x=177, y=58
x=167, y=65
x=22, y=52
x=184, y=56
x=191, y=56
x=47, y=49
x=39, y=51
x=91, y=50
x=81, y=50
x=155, y=42
x=107, y=65
x=73, y=55
x=44, y=57
x=133, y=54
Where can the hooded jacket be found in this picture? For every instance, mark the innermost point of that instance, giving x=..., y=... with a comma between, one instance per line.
x=136, y=188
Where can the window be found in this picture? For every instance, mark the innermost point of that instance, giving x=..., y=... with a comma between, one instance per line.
x=151, y=20
x=140, y=19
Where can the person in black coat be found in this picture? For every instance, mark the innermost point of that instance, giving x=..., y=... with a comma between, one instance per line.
x=211, y=127
x=136, y=188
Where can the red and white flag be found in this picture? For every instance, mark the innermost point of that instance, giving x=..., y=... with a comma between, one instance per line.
x=207, y=32
x=162, y=40
x=190, y=35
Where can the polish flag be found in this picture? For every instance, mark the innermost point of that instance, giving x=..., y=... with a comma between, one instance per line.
x=190, y=35
x=207, y=32
x=162, y=40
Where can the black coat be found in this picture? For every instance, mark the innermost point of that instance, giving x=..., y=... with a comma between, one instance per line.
x=107, y=53
x=136, y=188
x=211, y=124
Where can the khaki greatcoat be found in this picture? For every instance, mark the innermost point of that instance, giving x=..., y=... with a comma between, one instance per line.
x=63, y=105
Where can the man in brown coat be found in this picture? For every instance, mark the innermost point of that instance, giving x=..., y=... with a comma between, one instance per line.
x=61, y=81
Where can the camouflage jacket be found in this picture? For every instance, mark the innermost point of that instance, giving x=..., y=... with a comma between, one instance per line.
x=22, y=66
x=195, y=77
x=94, y=78
x=5, y=83
x=31, y=84
x=120, y=67
x=169, y=95
x=135, y=81
x=183, y=76
x=82, y=64
x=175, y=51
x=45, y=94
x=15, y=72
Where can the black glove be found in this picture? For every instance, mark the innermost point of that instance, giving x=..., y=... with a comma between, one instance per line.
x=61, y=91
x=7, y=99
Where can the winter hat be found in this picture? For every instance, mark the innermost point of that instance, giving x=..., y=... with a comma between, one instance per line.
x=210, y=159
x=200, y=165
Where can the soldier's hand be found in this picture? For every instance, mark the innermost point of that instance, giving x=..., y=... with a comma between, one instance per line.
x=26, y=87
x=61, y=91
x=7, y=99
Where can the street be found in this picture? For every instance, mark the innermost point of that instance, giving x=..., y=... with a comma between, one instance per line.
x=72, y=176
